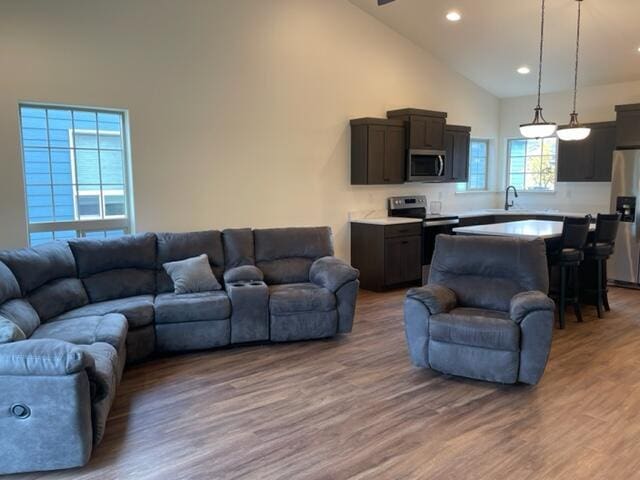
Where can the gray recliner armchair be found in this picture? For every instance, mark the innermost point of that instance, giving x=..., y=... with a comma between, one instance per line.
x=484, y=313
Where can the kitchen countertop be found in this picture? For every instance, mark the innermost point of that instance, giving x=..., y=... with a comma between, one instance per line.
x=514, y=211
x=528, y=229
x=386, y=220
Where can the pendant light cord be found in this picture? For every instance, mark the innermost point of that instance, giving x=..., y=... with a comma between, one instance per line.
x=541, y=46
x=575, y=78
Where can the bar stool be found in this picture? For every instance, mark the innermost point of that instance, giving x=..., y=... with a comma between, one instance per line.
x=599, y=251
x=568, y=257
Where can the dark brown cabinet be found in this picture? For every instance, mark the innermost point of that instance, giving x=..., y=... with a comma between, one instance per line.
x=457, y=140
x=425, y=127
x=377, y=151
x=387, y=255
x=628, y=122
x=588, y=160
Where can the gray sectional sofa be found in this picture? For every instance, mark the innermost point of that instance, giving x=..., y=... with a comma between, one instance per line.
x=72, y=314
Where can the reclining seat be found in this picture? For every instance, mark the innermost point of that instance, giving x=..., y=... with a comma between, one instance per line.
x=190, y=321
x=119, y=276
x=311, y=293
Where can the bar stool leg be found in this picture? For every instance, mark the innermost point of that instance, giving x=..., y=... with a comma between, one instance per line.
x=576, y=293
x=563, y=294
x=599, y=294
x=605, y=288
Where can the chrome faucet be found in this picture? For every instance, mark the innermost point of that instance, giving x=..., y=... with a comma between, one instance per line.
x=508, y=205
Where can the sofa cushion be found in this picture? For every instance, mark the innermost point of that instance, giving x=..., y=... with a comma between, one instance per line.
x=9, y=288
x=179, y=246
x=57, y=297
x=300, y=297
x=192, y=275
x=33, y=267
x=138, y=310
x=110, y=328
x=285, y=255
x=477, y=328
x=121, y=283
x=192, y=307
x=9, y=331
x=21, y=313
x=238, y=247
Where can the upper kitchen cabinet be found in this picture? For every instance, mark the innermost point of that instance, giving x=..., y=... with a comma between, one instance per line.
x=457, y=140
x=628, y=121
x=425, y=127
x=588, y=160
x=377, y=151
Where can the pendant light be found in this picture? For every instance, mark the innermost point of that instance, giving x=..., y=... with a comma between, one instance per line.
x=539, y=127
x=575, y=131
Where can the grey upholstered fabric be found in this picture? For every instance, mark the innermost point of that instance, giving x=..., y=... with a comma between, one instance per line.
x=179, y=246
x=300, y=297
x=243, y=274
x=346, y=304
x=57, y=297
x=524, y=303
x=21, y=313
x=9, y=331
x=138, y=310
x=477, y=328
x=33, y=267
x=303, y=326
x=110, y=328
x=9, y=288
x=176, y=337
x=120, y=283
x=141, y=343
x=331, y=273
x=285, y=255
x=479, y=316
x=436, y=298
x=238, y=247
x=192, y=275
x=487, y=272
x=43, y=357
x=191, y=307
x=249, y=310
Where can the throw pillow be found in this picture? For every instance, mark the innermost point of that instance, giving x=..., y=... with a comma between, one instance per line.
x=192, y=275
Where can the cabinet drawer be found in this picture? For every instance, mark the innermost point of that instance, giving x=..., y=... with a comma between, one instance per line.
x=403, y=230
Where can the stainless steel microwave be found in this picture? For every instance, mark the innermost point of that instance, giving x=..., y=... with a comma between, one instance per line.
x=425, y=165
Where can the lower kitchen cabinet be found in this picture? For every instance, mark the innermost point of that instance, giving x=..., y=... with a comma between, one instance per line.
x=387, y=255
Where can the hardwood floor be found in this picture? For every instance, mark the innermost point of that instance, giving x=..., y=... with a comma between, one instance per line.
x=354, y=407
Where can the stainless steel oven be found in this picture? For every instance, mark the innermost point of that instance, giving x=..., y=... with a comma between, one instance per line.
x=425, y=165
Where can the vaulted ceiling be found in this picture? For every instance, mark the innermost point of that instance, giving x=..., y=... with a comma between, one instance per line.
x=495, y=37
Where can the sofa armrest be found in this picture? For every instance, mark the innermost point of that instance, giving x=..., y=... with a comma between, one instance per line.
x=436, y=298
x=332, y=273
x=43, y=358
x=524, y=303
x=245, y=273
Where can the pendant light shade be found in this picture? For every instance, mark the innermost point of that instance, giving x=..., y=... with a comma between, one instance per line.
x=539, y=127
x=575, y=131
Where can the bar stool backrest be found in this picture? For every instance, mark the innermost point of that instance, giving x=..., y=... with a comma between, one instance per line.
x=606, y=228
x=575, y=232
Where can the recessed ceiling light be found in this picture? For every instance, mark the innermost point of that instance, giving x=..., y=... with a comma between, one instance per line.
x=453, y=16
x=523, y=70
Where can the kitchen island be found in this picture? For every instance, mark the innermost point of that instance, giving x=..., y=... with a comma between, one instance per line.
x=528, y=229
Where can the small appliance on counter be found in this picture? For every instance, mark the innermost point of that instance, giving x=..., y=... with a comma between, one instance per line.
x=415, y=206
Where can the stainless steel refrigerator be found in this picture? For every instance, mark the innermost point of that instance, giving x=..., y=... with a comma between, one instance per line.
x=624, y=265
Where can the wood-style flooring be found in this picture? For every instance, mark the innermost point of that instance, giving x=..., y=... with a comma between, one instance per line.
x=354, y=408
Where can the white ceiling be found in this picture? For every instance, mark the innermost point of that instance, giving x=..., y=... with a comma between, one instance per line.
x=495, y=37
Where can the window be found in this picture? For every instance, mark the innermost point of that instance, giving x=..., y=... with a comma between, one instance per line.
x=478, y=166
x=75, y=172
x=533, y=164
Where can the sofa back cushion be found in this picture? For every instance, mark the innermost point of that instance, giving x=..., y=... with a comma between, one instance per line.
x=285, y=255
x=238, y=247
x=47, y=278
x=173, y=247
x=9, y=288
x=20, y=312
x=9, y=331
x=486, y=272
x=118, y=267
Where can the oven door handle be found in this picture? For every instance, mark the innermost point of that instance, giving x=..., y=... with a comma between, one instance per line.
x=441, y=160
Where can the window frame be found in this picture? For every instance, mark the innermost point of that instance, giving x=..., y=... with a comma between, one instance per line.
x=487, y=143
x=508, y=172
x=126, y=222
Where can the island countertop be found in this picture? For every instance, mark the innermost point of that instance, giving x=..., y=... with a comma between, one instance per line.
x=528, y=229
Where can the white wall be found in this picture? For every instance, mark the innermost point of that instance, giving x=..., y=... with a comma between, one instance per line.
x=239, y=109
x=595, y=104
